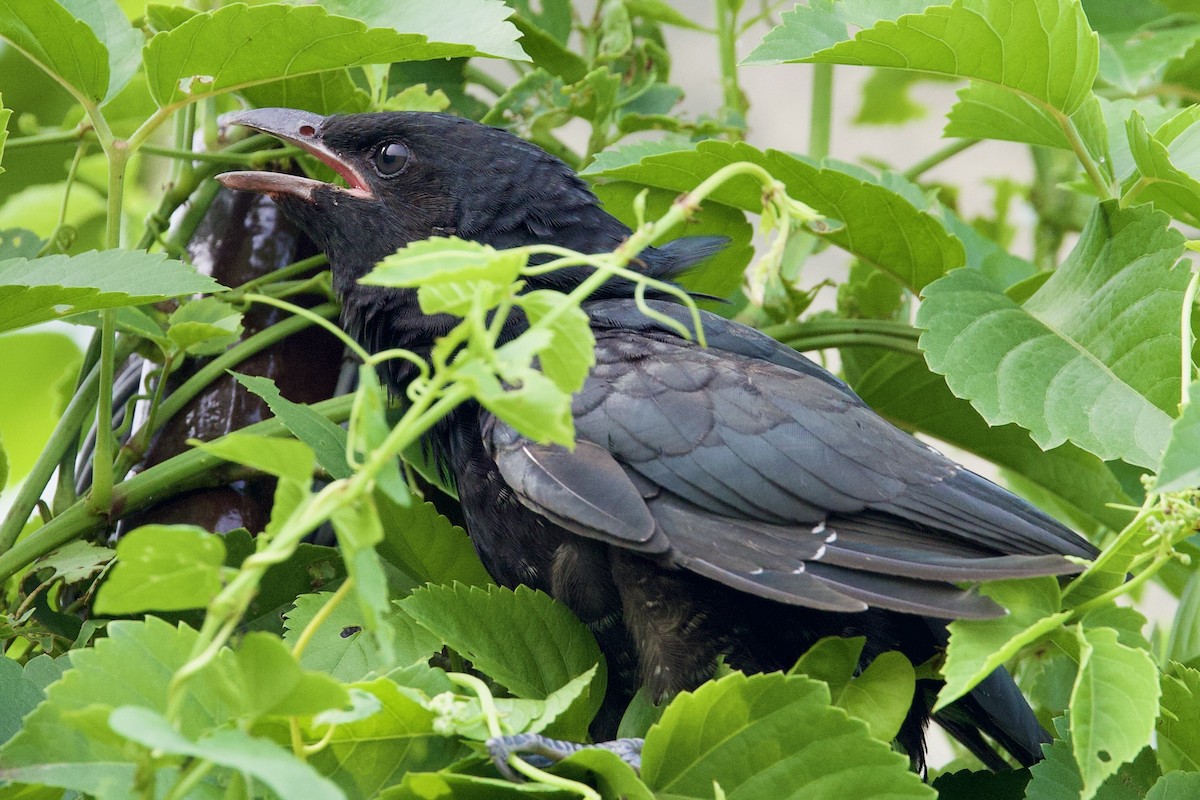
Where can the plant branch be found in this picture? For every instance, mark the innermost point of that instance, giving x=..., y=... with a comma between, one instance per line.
x=937, y=157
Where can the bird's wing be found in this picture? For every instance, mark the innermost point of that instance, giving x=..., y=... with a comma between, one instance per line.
x=776, y=481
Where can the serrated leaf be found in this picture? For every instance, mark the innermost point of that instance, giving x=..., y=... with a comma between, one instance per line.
x=1178, y=725
x=987, y=111
x=239, y=46
x=450, y=272
x=977, y=647
x=1168, y=164
x=1181, y=460
x=570, y=354
x=163, y=568
x=426, y=546
x=365, y=756
x=522, y=639
x=770, y=736
x=59, y=42
x=42, y=289
x=235, y=749
x=342, y=648
x=122, y=42
x=823, y=23
x=284, y=458
x=531, y=403
x=66, y=741
x=40, y=370
x=479, y=23
x=1092, y=357
x=1041, y=48
x=1058, y=778
x=75, y=561
x=881, y=226
x=1113, y=706
x=1175, y=786
x=327, y=440
x=18, y=696
x=263, y=679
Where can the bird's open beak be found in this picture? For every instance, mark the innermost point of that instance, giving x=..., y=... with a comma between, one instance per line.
x=303, y=130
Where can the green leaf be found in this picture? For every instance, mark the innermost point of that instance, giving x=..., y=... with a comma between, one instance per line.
x=987, y=111
x=1139, y=59
x=450, y=273
x=1113, y=706
x=902, y=389
x=479, y=23
x=239, y=46
x=365, y=756
x=417, y=98
x=19, y=243
x=163, y=568
x=1043, y=49
x=284, y=458
x=823, y=23
x=1175, y=786
x=607, y=772
x=1181, y=460
x=53, y=287
x=40, y=370
x=330, y=92
x=977, y=647
x=1184, y=643
x=1091, y=357
x=359, y=530
x=548, y=52
x=369, y=428
x=5, y=113
x=341, y=648
x=122, y=42
x=58, y=42
x=459, y=786
x=235, y=749
x=770, y=736
x=66, y=741
x=204, y=327
x=522, y=639
x=530, y=402
x=886, y=99
x=882, y=226
x=327, y=440
x=18, y=696
x=1168, y=164
x=1058, y=778
x=263, y=679
x=1178, y=726
x=720, y=275
x=74, y=561
x=569, y=356
x=427, y=546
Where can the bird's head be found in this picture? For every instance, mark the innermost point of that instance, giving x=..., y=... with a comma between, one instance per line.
x=412, y=175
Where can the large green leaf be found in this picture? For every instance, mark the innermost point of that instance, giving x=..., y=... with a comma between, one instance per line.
x=482, y=24
x=821, y=24
x=1181, y=460
x=163, y=568
x=39, y=290
x=1058, y=777
x=18, y=696
x=522, y=639
x=426, y=546
x=1168, y=164
x=59, y=42
x=364, y=756
x=239, y=46
x=1113, y=707
x=977, y=647
x=1092, y=357
x=988, y=111
x=882, y=226
x=1178, y=726
x=1043, y=49
x=121, y=40
x=772, y=737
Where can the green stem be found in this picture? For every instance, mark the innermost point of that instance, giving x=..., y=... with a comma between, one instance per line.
x=821, y=119
x=821, y=326
x=734, y=99
x=65, y=433
x=1090, y=167
x=184, y=471
x=321, y=616
x=214, y=369
x=38, y=139
x=1187, y=340
x=100, y=497
x=805, y=344
x=937, y=157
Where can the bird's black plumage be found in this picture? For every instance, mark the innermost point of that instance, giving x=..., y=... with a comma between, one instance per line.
x=735, y=500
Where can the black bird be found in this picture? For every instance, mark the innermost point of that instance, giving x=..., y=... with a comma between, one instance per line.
x=734, y=501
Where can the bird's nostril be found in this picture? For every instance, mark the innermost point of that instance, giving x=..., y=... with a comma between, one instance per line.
x=307, y=130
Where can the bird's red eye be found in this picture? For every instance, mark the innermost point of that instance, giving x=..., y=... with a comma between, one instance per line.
x=390, y=159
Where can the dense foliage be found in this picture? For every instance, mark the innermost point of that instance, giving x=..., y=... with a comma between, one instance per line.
x=175, y=663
